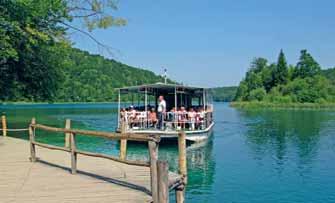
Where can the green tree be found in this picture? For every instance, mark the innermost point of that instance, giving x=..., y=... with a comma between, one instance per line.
x=242, y=92
x=307, y=66
x=278, y=83
x=257, y=94
x=258, y=64
x=32, y=37
x=280, y=73
x=267, y=77
x=253, y=81
x=29, y=29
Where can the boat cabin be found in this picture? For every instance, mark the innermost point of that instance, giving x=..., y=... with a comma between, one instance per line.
x=187, y=108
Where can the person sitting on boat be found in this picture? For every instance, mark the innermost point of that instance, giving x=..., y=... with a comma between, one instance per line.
x=191, y=118
x=182, y=117
x=123, y=116
x=153, y=117
x=202, y=115
x=197, y=118
x=173, y=117
x=132, y=116
x=161, y=112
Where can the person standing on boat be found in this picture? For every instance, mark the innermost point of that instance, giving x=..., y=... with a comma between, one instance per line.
x=161, y=111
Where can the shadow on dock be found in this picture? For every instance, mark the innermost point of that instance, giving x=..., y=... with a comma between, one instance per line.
x=99, y=177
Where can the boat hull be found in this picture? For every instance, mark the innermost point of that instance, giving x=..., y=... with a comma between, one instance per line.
x=195, y=136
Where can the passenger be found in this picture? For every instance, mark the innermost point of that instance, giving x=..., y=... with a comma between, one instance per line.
x=182, y=117
x=153, y=117
x=197, y=119
x=132, y=116
x=174, y=117
x=161, y=112
x=202, y=115
x=191, y=118
x=123, y=114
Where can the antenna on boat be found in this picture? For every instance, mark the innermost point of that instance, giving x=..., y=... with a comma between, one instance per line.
x=165, y=76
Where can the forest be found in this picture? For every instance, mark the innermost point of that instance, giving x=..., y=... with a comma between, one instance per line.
x=39, y=64
x=281, y=83
x=224, y=94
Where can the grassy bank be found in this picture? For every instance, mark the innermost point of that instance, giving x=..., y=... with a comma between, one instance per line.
x=258, y=105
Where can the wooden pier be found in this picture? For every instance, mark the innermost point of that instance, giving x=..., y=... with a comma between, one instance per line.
x=38, y=172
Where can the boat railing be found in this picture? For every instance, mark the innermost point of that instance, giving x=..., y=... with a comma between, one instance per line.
x=172, y=121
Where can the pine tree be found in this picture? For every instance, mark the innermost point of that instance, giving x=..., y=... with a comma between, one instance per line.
x=307, y=66
x=280, y=73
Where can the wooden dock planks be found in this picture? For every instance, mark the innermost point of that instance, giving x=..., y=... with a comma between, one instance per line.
x=50, y=180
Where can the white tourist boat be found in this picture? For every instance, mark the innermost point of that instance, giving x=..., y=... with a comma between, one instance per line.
x=136, y=103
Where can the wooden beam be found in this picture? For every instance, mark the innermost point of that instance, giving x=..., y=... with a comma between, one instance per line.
x=128, y=162
x=4, y=125
x=180, y=194
x=182, y=155
x=123, y=142
x=32, y=140
x=109, y=135
x=67, y=135
x=180, y=191
x=163, y=181
x=153, y=151
x=73, y=154
x=52, y=147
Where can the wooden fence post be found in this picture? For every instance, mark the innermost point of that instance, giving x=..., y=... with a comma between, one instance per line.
x=4, y=125
x=123, y=143
x=73, y=153
x=153, y=151
x=180, y=191
x=67, y=135
x=32, y=140
x=163, y=181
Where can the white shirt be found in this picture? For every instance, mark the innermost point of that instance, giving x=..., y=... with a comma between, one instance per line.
x=161, y=106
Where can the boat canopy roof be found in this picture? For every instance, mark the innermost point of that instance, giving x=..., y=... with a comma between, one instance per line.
x=160, y=87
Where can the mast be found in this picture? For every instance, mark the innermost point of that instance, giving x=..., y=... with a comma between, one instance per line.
x=165, y=76
x=146, y=104
x=118, y=107
x=204, y=98
x=175, y=97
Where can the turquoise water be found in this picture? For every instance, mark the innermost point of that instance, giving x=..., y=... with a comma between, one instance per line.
x=252, y=156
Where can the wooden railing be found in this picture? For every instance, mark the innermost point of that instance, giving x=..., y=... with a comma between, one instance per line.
x=5, y=129
x=161, y=182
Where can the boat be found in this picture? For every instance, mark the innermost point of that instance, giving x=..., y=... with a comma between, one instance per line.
x=188, y=109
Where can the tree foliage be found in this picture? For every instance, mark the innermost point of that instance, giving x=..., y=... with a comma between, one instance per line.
x=224, y=94
x=280, y=73
x=307, y=66
x=330, y=74
x=27, y=64
x=34, y=48
x=92, y=78
x=280, y=83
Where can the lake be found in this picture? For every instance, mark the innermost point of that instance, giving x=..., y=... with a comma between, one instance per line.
x=252, y=156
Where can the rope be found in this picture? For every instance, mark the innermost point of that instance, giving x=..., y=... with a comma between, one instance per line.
x=15, y=130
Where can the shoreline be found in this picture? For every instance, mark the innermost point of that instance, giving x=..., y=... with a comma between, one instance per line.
x=269, y=105
x=39, y=103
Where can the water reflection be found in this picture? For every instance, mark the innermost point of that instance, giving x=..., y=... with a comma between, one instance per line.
x=201, y=166
x=285, y=134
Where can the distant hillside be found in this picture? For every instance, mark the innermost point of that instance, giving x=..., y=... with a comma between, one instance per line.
x=92, y=78
x=225, y=94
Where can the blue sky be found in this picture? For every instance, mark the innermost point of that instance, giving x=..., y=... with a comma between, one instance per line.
x=211, y=43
